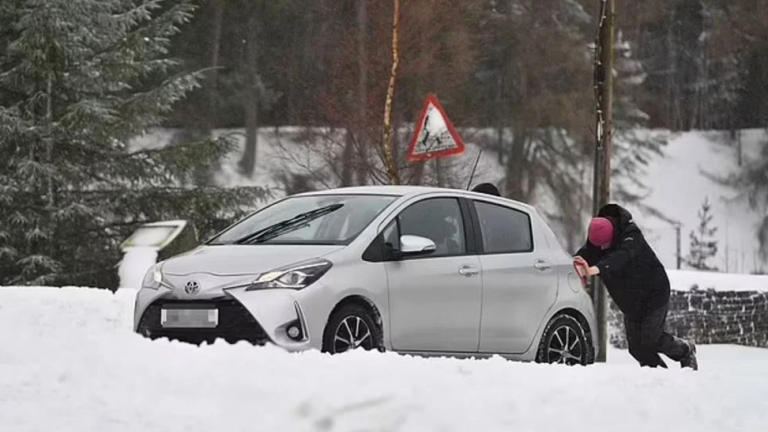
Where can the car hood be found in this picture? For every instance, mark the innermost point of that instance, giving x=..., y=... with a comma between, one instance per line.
x=241, y=260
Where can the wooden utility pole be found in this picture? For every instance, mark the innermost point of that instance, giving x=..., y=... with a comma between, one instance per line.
x=388, y=157
x=604, y=51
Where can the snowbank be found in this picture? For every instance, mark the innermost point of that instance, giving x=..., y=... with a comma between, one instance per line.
x=69, y=362
x=684, y=280
x=135, y=264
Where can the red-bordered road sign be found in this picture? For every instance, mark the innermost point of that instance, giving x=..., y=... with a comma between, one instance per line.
x=435, y=135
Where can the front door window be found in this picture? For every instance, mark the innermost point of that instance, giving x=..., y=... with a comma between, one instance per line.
x=438, y=219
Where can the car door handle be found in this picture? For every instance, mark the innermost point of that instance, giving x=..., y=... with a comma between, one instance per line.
x=468, y=271
x=542, y=265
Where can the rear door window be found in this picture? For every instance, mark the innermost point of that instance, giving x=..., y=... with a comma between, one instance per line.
x=504, y=230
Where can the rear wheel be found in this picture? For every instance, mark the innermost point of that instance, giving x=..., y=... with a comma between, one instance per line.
x=565, y=342
x=351, y=327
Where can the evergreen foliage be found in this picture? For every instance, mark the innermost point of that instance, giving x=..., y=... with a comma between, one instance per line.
x=78, y=80
x=703, y=245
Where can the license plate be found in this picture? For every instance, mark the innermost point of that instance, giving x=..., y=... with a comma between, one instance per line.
x=189, y=318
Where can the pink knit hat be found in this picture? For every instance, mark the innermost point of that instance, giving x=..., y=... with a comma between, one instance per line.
x=600, y=232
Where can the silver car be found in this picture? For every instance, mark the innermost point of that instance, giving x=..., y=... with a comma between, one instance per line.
x=414, y=270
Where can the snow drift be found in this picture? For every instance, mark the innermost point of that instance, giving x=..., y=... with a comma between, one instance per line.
x=69, y=362
x=135, y=264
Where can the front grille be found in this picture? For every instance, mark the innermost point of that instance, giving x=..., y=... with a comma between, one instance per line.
x=235, y=323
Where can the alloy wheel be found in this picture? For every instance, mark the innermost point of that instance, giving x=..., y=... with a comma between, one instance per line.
x=352, y=333
x=565, y=347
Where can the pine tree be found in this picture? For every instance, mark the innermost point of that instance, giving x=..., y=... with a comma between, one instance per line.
x=78, y=80
x=703, y=244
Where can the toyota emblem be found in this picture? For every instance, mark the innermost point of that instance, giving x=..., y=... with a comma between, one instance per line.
x=192, y=287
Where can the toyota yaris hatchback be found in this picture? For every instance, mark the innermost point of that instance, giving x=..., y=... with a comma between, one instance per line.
x=408, y=269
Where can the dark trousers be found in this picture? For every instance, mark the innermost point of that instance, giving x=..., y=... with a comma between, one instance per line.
x=647, y=337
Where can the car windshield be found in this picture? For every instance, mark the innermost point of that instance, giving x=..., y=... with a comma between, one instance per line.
x=308, y=220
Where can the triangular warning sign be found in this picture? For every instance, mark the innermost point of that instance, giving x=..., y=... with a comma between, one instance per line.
x=434, y=135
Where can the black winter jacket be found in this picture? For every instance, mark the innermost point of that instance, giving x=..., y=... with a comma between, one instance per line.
x=630, y=269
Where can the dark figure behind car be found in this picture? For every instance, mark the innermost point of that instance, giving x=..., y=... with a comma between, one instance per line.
x=618, y=253
x=487, y=188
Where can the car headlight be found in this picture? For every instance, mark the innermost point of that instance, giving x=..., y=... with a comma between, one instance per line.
x=153, y=279
x=297, y=276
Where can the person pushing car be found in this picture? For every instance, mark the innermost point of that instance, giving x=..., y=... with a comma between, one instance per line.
x=617, y=252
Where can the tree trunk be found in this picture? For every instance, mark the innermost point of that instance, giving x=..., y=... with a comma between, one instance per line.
x=291, y=117
x=390, y=158
x=500, y=117
x=204, y=175
x=250, y=98
x=361, y=163
x=347, y=163
x=515, y=166
x=213, y=96
x=672, y=75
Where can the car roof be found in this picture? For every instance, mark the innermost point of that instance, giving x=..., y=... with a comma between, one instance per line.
x=408, y=191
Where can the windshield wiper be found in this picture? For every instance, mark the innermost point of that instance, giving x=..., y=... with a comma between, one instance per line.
x=287, y=225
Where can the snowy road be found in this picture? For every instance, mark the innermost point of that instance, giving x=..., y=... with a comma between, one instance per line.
x=69, y=362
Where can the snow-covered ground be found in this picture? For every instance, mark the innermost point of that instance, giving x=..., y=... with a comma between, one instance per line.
x=69, y=362
x=684, y=280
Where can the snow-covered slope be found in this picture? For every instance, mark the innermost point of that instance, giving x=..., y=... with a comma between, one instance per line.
x=69, y=362
x=293, y=149
x=678, y=188
x=675, y=184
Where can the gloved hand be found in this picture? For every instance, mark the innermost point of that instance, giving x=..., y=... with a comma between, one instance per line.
x=581, y=261
x=582, y=268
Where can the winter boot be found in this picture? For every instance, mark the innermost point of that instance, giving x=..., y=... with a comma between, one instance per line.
x=690, y=361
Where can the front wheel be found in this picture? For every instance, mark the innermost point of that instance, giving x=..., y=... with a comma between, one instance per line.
x=565, y=342
x=351, y=327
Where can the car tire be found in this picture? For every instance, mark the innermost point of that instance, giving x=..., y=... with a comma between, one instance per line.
x=353, y=320
x=562, y=330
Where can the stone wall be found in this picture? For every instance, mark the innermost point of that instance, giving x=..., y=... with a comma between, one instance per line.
x=709, y=317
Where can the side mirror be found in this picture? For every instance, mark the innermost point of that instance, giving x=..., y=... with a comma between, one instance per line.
x=414, y=245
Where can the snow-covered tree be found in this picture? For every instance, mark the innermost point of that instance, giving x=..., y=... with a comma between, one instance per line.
x=635, y=145
x=78, y=80
x=752, y=183
x=703, y=243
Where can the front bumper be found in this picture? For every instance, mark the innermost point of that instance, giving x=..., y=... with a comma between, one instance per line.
x=257, y=317
x=235, y=323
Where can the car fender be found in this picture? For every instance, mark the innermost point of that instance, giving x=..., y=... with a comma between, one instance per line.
x=275, y=308
x=379, y=301
x=567, y=302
